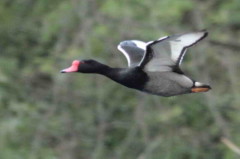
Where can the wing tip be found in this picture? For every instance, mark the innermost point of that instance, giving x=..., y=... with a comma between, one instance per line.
x=205, y=33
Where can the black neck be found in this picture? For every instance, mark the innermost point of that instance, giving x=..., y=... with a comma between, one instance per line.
x=112, y=73
x=130, y=77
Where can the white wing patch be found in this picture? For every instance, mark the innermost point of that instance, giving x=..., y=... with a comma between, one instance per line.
x=125, y=54
x=176, y=48
x=163, y=54
x=182, y=42
x=163, y=38
x=133, y=50
x=140, y=44
x=167, y=52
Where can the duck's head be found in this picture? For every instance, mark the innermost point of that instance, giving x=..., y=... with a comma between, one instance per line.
x=83, y=66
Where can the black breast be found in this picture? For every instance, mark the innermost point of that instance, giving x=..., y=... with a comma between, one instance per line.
x=133, y=78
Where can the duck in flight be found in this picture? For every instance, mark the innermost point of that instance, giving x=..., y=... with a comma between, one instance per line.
x=153, y=67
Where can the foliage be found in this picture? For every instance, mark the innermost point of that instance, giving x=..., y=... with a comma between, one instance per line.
x=45, y=114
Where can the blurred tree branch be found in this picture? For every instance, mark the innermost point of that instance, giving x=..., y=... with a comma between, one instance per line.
x=231, y=145
x=230, y=44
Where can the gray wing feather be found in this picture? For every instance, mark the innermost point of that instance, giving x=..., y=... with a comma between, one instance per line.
x=167, y=53
x=133, y=51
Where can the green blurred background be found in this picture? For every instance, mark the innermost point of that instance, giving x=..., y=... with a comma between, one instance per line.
x=48, y=115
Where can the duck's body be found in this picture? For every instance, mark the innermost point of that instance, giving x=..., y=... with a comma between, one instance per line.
x=172, y=84
x=149, y=82
x=150, y=68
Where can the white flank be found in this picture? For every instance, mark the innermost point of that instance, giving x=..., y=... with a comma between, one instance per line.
x=198, y=84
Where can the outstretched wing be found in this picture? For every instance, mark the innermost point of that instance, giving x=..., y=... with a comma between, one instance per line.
x=133, y=50
x=166, y=54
